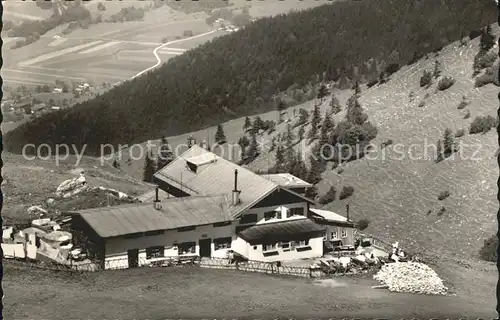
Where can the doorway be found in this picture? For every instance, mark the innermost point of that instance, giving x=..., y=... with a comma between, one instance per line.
x=133, y=258
x=205, y=247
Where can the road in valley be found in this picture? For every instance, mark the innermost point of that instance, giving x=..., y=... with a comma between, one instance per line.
x=158, y=59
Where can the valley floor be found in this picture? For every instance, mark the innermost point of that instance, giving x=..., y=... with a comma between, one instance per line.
x=192, y=292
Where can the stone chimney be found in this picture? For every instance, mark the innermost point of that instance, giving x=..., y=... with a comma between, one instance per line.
x=157, y=203
x=236, y=192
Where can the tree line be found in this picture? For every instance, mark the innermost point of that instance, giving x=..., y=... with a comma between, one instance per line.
x=242, y=73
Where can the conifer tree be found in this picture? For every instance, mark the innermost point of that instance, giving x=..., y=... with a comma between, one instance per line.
x=302, y=131
x=280, y=160
x=357, y=89
x=439, y=151
x=324, y=144
x=243, y=142
x=281, y=106
x=437, y=69
x=355, y=113
x=312, y=192
x=248, y=124
x=315, y=171
x=149, y=167
x=487, y=40
x=165, y=154
x=335, y=104
x=116, y=164
x=253, y=148
x=303, y=116
x=449, y=144
x=273, y=144
x=328, y=124
x=299, y=169
x=322, y=92
x=220, y=137
x=258, y=124
x=289, y=151
x=316, y=118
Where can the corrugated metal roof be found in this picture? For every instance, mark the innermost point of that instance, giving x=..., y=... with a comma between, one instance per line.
x=329, y=215
x=215, y=178
x=286, y=180
x=175, y=213
x=280, y=231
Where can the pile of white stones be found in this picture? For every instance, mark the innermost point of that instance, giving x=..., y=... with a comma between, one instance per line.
x=412, y=277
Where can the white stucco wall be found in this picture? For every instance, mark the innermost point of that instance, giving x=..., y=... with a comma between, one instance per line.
x=256, y=253
x=116, y=248
x=316, y=244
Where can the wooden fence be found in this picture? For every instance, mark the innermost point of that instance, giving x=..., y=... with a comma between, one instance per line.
x=213, y=263
x=262, y=267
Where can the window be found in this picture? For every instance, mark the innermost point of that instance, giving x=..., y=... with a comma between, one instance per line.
x=222, y=243
x=187, y=247
x=221, y=224
x=296, y=212
x=324, y=236
x=155, y=252
x=154, y=233
x=334, y=235
x=248, y=218
x=278, y=214
x=344, y=233
x=269, y=247
x=302, y=243
x=184, y=229
x=269, y=215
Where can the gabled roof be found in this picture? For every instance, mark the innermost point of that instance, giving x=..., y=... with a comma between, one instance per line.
x=330, y=216
x=286, y=180
x=215, y=177
x=280, y=231
x=174, y=213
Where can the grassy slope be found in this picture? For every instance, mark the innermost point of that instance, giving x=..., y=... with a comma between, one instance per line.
x=397, y=194
x=192, y=293
x=27, y=183
x=122, y=296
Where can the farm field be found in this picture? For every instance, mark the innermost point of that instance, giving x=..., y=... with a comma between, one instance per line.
x=162, y=293
x=100, y=53
x=22, y=11
x=108, y=46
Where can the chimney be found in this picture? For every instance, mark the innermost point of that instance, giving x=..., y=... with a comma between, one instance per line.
x=157, y=203
x=204, y=144
x=347, y=211
x=236, y=192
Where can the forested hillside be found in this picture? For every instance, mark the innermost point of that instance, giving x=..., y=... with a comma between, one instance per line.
x=241, y=74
